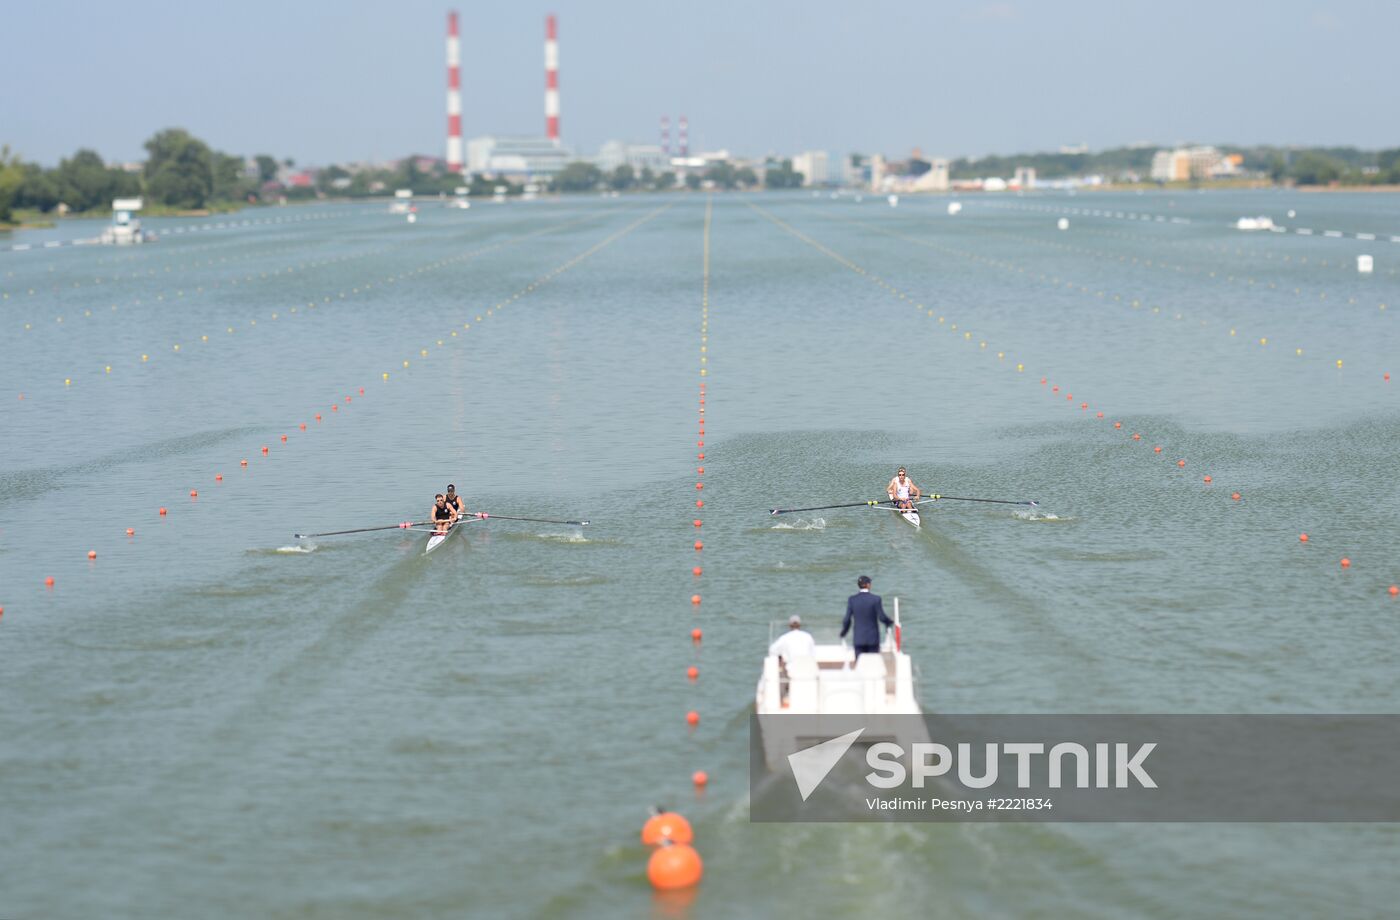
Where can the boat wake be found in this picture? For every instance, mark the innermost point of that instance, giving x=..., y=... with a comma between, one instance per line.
x=1033, y=515
x=801, y=524
x=296, y=549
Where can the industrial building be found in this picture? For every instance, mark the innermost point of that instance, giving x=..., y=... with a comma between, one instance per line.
x=516, y=157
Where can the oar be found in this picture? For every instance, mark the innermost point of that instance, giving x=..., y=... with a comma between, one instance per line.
x=501, y=517
x=992, y=501
x=825, y=507
x=335, y=533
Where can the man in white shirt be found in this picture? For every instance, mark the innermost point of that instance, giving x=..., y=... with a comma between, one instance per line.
x=795, y=643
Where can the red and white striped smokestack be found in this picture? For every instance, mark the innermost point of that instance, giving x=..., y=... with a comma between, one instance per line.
x=454, y=96
x=666, y=135
x=551, y=79
x=683, y=136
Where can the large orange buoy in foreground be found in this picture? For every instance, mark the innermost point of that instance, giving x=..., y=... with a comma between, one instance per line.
x=666, y=825
x=675, y=866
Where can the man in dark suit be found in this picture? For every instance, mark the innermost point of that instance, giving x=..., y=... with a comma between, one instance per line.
x=867, y=612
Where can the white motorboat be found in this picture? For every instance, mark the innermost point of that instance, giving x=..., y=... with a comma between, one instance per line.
x=833, y=683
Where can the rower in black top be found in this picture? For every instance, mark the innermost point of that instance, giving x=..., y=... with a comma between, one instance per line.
x=443, y=513
x=454, y=501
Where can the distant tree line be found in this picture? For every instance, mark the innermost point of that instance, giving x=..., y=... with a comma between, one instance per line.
x=581, y=176
x=1301, y=166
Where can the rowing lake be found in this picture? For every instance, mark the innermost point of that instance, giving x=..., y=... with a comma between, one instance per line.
x=214, y=719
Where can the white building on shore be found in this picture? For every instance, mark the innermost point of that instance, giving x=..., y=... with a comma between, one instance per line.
x=638, y=156
x=516, y=157
x=814, y=166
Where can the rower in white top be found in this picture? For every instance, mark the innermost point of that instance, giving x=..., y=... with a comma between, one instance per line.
x=905, y=495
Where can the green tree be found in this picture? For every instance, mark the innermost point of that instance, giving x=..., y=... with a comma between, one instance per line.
x=326, y=179
x=692, y=181
x=37, y=189
x=267, y=167
x=721, y=174
x=1278, y=168
x=179, y=169
x=622, y=178
x=647, y=179
x=1388, y=162
x=83, y=181
x=746, y=178
x=11, y=178
x=228, y=178
x=782, y=176
x=578, y=177
x=665, y=181
x=1314, y=168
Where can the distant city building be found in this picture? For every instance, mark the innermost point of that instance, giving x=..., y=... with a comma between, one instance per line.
x=525, y=157
x=935, y=179
x=813, y=166
x=638, y=156
x=1074, y=149
x=1186, y=163
x=1025, y=177
x=856, y=170
x=877, y=172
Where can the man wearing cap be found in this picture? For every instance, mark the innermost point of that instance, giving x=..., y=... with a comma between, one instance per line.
x=866, y=611
x=795, y=643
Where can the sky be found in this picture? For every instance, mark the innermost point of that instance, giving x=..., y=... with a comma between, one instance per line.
x=324, y=82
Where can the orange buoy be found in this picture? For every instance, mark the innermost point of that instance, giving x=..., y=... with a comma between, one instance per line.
x=1302, y=538
x=302, y=426
x=695, y=599
x=131, y=531
x=284, y=439
x=264, y=450
x=162, y=512
x=1100, y=415
x=318, y=416
x=699, y=503
x=242, y=462
x=700, y=456
x=335, y=407
x=362, y=391
x=696, y=634
x=699, y=485
x=1394, y=590
x=666, y=825
x=675, y=866
x=692, y=672
x=194, y=493
x=700, y=778
x=696, y=571
x=700, y=470
x=1157, y=450
x=1235, y=496
x=1346, y=563
x=1181, y=463
x=692, y=718
x=1117, y=424
x=699, y=545
x=48, y=582
x=218, y=477
x=697, y=522
x=1137, y=437
x=92, y=554
x=1207, y=479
